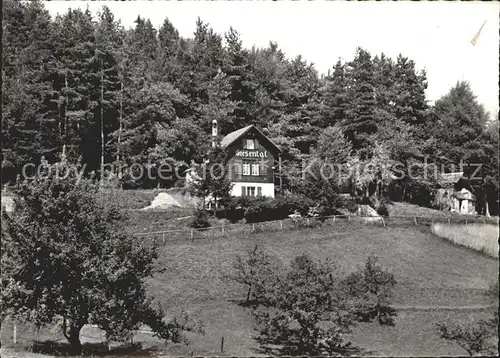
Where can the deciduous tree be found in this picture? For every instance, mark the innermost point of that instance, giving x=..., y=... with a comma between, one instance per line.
x=64, y=258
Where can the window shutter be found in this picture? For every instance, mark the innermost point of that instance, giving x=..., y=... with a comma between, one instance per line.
x=259, y=191
x=263, y=168
x=243, y=190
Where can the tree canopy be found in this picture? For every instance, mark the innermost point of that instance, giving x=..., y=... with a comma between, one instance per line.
x=76, y=86
x=65, y=260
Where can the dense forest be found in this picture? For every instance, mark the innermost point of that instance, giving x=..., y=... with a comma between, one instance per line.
x=86, y=89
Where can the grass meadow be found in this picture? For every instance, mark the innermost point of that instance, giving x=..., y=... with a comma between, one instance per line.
x=431, y=272
x=479, y=237
x=437, y=281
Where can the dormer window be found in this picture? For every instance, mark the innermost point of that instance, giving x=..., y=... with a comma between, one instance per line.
x=249, y=144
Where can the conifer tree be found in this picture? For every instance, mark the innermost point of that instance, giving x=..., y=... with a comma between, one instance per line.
x=359, y=122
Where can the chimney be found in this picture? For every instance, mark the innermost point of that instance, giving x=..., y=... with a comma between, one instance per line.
x=214, y=132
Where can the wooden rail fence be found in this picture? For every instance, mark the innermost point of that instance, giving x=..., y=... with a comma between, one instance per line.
x=164, y=236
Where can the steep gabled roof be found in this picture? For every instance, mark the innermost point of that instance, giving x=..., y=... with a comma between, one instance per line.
x=234, y=136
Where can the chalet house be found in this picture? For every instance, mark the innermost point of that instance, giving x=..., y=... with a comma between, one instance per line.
x=455, y=194
x=252, y=160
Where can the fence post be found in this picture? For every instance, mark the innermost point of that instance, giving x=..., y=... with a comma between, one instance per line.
x=14, y=334
x=253, y=227
x=281, y=225
x=222, y=228
x=449, y=221
x=192, y=235
x=465, y=221
x=383, y=221
x=333, y=218
x=348, y=217
x=307, y=222
x=416, y=221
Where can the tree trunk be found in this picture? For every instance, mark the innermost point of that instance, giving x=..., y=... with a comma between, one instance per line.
x=102, y=125
x=72, y=334
x=120, y=131
x=65, y=123
x=487, y=207
x=74, y=341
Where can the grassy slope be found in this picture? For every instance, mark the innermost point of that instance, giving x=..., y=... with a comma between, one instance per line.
x=406, y=209
x=430, y=271
x=129, y=199
x=479, y=237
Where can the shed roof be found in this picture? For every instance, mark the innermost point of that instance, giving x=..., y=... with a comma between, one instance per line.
x=464, y=194
x=449, y=178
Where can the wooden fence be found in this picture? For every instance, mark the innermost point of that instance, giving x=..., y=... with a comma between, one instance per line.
x=238, y=230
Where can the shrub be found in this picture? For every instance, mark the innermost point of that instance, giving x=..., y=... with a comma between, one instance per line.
x=233, y=214
x=291, y=203
x=475, y=338
x=371, y=289
x=383, y=210
x=259, y=272
x=257, y=209
x=261, y=209
x=180, y=183
x=380, y=204
x=200, y=219
x=351, y=205
x=308, y=315
x=420, y=193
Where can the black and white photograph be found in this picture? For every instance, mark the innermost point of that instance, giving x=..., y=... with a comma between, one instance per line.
x=249, y=178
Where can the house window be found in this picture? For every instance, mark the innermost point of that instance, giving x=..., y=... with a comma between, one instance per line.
x=249, y=144
x=250, y=191
x=246, y=168
x=255, y=169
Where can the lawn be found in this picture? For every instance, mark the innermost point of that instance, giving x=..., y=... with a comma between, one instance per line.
x=430, y=272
